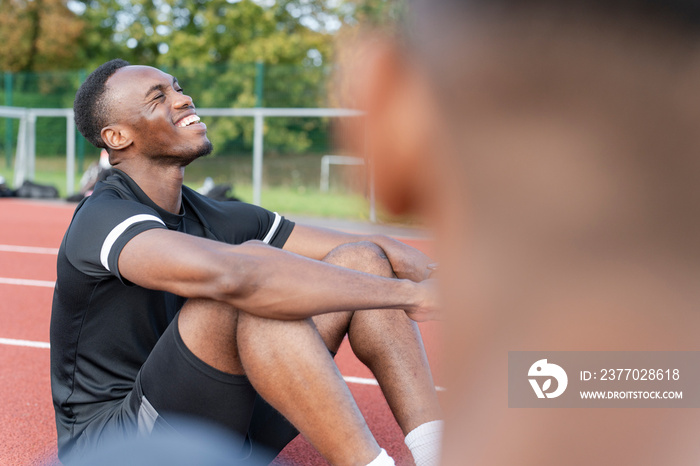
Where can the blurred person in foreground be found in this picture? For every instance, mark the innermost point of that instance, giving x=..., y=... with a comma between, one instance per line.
x=555, y=148
x=169, y=304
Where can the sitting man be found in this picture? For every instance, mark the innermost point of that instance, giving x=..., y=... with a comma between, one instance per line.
x=171, y=304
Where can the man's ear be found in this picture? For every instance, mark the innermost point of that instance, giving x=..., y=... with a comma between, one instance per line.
x=116, y=137
x=399, y=131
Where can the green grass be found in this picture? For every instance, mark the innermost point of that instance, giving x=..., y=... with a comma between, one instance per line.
x=52, y=173
x=291, y=184
x=298, y=196
x=309, y=202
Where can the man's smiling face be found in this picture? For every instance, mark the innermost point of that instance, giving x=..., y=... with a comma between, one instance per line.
x=158, y=115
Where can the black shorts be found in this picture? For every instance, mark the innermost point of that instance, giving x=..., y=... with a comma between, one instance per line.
x=173, y=384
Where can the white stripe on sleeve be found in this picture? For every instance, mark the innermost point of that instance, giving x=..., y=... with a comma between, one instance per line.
x=273, y=228
x=118, y=230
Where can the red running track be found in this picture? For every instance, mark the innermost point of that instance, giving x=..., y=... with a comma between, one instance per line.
x=27, y=429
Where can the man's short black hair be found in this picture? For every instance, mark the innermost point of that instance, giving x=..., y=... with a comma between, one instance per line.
x=90, y=105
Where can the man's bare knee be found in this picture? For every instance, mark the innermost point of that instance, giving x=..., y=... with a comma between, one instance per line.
x=364, y=256
x=208, y=328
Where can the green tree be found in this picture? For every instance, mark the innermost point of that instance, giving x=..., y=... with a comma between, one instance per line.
x=38, y=35
x=222, y=50
x=227, y=53
x=247, y=43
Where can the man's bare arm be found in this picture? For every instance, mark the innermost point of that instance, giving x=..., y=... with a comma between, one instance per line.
x=263, y=280
x=316, y=242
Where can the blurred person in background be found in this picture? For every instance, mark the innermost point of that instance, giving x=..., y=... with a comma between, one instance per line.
x=96, y=171
x=555, y=148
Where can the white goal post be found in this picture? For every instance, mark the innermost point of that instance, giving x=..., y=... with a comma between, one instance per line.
x=328, y=160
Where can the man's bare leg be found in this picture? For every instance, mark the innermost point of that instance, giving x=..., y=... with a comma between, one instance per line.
x=280, y=356
x=386, y=341
x=289, y=365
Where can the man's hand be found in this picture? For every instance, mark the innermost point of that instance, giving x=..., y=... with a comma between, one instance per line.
x=426, y=307
x=407, y=263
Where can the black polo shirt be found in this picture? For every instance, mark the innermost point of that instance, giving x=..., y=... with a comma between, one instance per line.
x=103, y=327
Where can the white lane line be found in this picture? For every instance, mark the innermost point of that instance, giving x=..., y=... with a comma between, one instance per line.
x=42, y=344
x=25, y=282
x=363, y=381
x=33, y=344
x=360, y=380
x=28, y=249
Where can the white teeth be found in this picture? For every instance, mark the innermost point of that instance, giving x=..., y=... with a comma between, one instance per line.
x=187, y=121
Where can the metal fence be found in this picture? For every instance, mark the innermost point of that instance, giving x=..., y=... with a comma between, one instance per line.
x=241, y=85
x=26, y=140
x=25, y=155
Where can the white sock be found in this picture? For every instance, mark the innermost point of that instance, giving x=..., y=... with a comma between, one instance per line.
x=382, y=460
x=424, y=442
